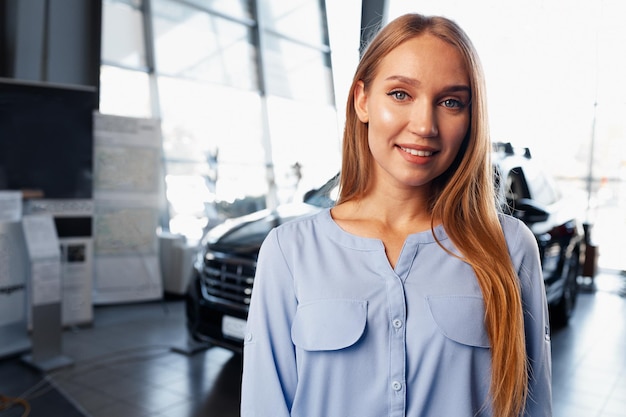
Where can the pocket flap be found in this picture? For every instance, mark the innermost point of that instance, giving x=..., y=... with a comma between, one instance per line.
x=329, y=324
x=460, y=318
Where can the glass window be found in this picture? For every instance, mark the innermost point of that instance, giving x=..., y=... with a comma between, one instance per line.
x=199, y=119
x=297, y=19
x=296, y=71
x=305, y=146
x=124, y=92
x=239, y=9
x=123, y=41
x=190, y=198
x=193, y=44
x=215, y=119
x=211, y=136
x=133, y=3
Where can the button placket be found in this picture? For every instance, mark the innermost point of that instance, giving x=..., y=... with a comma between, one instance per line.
x=397, y=351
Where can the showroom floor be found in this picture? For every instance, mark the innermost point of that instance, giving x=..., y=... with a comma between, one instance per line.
x=135, y=361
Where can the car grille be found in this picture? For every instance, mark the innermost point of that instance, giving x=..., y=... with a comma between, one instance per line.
x=228, y=279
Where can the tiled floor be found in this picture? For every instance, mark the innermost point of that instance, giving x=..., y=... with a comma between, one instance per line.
x=128, y=365
x=23, y=392
x=589, y=356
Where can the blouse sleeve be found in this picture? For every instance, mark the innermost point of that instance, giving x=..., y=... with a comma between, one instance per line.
x=536, y=324
x=269, y=368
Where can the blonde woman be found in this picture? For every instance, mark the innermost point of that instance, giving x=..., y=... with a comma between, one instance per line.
x=413, y=296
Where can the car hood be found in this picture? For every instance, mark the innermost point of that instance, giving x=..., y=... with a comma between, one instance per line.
x=244, y=235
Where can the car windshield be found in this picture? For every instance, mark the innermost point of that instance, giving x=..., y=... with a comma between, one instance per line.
x=326, y=195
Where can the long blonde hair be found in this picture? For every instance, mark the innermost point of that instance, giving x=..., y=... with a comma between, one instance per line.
x=463, y=198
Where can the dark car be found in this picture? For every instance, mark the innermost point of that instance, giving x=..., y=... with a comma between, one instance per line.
x=219, y=294
x=531, y=195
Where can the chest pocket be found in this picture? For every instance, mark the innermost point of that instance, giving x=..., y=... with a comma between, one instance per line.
x=460, y=318
x=329, y=324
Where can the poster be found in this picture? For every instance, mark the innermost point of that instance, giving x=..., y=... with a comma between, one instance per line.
x=128, y=184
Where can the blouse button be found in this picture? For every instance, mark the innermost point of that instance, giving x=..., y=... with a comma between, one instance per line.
x=397, y=323
x=396, y=386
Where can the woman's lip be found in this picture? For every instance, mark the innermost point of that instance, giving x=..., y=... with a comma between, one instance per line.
x=418, y=151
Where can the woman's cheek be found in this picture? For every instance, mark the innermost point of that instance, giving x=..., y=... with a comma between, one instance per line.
x=387, y=119
x=454, y=128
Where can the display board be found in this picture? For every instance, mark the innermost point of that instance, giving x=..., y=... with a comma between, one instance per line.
x=127, y=195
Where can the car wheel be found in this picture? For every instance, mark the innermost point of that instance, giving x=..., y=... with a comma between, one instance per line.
x=563, y=310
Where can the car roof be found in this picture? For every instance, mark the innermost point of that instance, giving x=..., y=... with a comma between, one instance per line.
x=508, y=157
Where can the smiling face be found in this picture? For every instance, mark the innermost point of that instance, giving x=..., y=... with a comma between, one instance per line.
x=417, y=109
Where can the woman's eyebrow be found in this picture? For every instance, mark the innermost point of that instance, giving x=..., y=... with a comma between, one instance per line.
x=458, y=88
x=403, y=79
x=414, y=82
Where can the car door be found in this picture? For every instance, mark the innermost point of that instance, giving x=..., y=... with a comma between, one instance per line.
x=533, y=199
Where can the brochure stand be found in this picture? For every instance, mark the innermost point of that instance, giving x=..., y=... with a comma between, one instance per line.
x=13, y=276
x=45, y=293
x=73, y=224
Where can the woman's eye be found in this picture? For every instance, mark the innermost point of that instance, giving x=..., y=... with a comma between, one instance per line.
x=452, y=104
x=398, y=95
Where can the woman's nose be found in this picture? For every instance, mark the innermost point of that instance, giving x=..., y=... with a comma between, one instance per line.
x=424, y=120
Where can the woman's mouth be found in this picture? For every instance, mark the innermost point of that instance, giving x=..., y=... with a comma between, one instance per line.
x=417, y=152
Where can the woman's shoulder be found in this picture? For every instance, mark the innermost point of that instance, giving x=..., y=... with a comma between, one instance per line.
x=517, y=234
x=303, y=224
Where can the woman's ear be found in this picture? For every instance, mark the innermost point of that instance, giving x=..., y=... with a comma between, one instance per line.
x=360, y=102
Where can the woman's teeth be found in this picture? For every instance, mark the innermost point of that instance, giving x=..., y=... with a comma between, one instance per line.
x=416, y=152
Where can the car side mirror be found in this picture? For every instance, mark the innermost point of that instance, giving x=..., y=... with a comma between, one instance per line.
x=529, y=211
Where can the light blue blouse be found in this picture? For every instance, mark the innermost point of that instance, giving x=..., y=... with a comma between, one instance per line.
x=334, y=331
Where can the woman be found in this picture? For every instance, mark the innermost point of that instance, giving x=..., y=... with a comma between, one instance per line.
x=413, y=296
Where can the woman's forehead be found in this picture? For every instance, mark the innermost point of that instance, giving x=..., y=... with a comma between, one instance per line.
x=425, y=58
